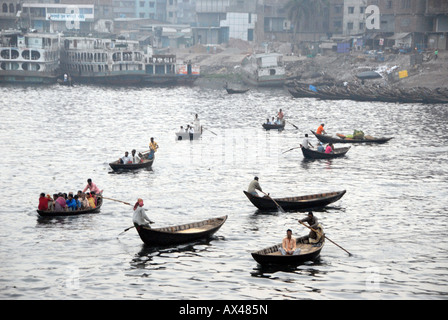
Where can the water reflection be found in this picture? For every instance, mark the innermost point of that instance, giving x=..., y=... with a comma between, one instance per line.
x=309, y=268
x=147, y=255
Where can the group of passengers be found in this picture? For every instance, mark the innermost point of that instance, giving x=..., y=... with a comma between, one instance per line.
x=82, y=200
x=279, y=121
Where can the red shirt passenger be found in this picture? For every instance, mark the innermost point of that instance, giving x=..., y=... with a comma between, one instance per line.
x=43, y=202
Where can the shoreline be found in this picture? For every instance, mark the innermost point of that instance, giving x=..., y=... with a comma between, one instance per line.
x=223, y=64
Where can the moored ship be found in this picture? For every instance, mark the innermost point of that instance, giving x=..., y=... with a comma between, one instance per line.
x=263, y=70
x=165, y=69
x=104, y=61
x=29, y=57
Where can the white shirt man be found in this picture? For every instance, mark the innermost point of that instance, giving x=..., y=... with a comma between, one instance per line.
x=140, y=218
x=306, y=142
x=135, y=157
x=126, y=158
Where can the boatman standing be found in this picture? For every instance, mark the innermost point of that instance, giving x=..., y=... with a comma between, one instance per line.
x=140, y=218
x=153, y=146
x=253, y=186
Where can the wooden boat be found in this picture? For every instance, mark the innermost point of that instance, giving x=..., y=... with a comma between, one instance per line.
x=274, y=126
x=235, y=91
x=313, y=154
x=272, y=255
x=186, y=135
x=368, y=75
x=296, y=203
x=49, y=213
x=145, y=163
x=181, y=233
x=330, y=139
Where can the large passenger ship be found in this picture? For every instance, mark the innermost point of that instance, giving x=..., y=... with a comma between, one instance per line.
x=105, y=61
x=29, y=57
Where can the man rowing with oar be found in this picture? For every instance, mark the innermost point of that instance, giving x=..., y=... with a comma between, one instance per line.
x=313, y=237
x=253, y=186
x=140, y=218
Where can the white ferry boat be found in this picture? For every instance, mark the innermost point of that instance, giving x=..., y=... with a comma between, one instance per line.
x=105, y=61
x=29, y=57
x=264, y=70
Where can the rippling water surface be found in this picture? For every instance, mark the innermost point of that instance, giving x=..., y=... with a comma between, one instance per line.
x=393, y=218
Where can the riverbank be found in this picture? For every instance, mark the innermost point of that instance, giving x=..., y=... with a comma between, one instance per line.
x=222, y=63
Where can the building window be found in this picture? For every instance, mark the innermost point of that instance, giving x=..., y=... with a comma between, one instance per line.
x=351, y=9
x=142, y=4
x=362, y=9
x=389, y=4
x=350, y=25
x=4, y=7
x=361, y=26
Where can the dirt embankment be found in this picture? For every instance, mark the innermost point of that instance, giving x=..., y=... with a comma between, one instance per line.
x=223, y=62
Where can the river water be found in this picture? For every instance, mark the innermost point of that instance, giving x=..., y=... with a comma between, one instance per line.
x=393, y=218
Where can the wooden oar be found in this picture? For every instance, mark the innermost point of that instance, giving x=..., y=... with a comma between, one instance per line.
x=293, y=125
x=291, y=149
x=209, y=130
x=325, y=237
x=278, y=206
x=126, y=230
x=118, y=201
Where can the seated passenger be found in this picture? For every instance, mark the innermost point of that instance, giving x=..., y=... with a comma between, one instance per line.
x=84, y=202
x=289, y=246
x=43, y=202
x=60, y=204
x=71, y=203
x=321, y=148
x=135, y=158
x=91, y=200
x=126, y=159
x=329, y=148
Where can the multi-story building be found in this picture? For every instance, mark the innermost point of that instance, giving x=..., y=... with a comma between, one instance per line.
x=437, y=12
x=58, y=15
x=219, y=20
x=354, y=16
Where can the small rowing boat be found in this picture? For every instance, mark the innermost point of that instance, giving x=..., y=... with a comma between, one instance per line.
x=295, y=203
x=144, y=163
x=180, y=233
x=274, y=126
x=272, y=255
x=50, y=213
x=313, y=154
x=329, y=139
x=186, y=136
x=235, y=91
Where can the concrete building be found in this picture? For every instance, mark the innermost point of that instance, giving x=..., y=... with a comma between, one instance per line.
x=354, y=16
x=219, y=20
x=82, y=16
